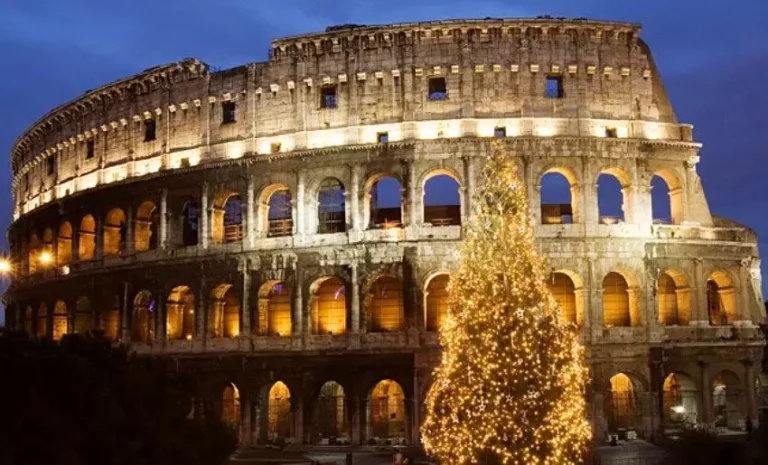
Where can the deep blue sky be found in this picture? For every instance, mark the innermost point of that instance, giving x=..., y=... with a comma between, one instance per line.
x=712, y=56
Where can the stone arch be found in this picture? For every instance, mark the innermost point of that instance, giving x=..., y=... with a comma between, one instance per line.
x=181, y=313
x=227, y=218
x=114, y=233
x=613, y=188
x=671, y=210
x=673, y=298
x=47, y=256
x=29, y=320
x=42, y=320
x=60, y=320
x=64, y=244
x=728, y=399
x=275, y=317
x=279, y=413
x=721, y=298
x=224, y=311
x=379, y=211
x=386, y=412
x=83, y=315
x=436, y=300
x=145, y=234
x=623, y=410
x=438, y=212
x=110, y=311
x=143, y=317
x=328, y=306
x=680, y=401
x=190, y=224
x=87, y=238
x=384, y=305
x=567, y=288
x=620, y=305
x=230, y=406
x=331, y=207
x=33, y=253
x=551, y=197
x=330, y=415
x=276, y=210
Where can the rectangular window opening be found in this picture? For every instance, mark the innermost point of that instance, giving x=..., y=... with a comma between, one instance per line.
x=611, y=132
x=554, y=87
x=328, y=97
x=149, y=130
x=90, y=148
x=437, y=89
x=50, y=165
x=184, y=162
x=227, y=112
x=382, y=137
x=500, y=132
x=275, y=147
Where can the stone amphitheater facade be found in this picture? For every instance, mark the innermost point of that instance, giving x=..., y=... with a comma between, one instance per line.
x=232, y=223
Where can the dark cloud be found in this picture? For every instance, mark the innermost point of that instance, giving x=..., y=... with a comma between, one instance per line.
x=711, y=58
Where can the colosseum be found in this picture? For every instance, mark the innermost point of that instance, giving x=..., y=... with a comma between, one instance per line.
x=285, y=230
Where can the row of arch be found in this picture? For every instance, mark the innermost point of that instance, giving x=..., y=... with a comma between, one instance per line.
x=560, y=189
x=383, y=304
x=275, y=212
x=385, y=413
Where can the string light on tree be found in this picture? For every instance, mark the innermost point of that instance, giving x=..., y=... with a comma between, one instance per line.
x=510, y=386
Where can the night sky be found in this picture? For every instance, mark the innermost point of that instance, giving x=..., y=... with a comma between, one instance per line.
x=713, y=59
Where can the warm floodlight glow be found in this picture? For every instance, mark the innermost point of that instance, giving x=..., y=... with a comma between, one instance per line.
x=46, y=258
x=5, y=266
x=678, y=409
x=65, y=270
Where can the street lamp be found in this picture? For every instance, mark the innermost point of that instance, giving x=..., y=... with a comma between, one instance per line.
x=46, y=258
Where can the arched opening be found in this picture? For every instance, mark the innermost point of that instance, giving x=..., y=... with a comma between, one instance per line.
x=566, y=288
x=679, y=398
x=33, y=253
x=64, y=244
x=181, y=313
x=276, y=211
x=331, y=213
x=612, y=196
x=673, y=298
x=275, y=309
x=114, y=233
x=190, y=220
x=619, y=305
x=225, y=311
x=727, y=396
x=47, y=257
x=227, y=219
x=328, y=306
x=110, y=316
x=384, y=303
x=721, y=299
x=60, y=320
x=280, y=419
x=442, y=200
x=145, y=228
x=623, y=403
x=29, y=320
x=384, y=203
x=42, y=321
x=83, y=315
x=436, y=301
x=230, y=406
x=87, y=239
x=143, y=317
x=331, y=415
x=558, y=196
x=386, y=413
x=666, y=198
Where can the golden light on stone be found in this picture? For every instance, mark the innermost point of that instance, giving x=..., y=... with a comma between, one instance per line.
x=46, y=258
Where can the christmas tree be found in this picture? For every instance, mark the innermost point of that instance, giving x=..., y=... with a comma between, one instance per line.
x=510, y=386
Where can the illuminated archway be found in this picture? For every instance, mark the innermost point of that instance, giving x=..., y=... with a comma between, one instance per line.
x=275, y=309
x=42, y=320
x=436, y=301
x=87, y=238
x=619, y=301
x=115, y=228
x=328, y=306
x=721, y=299
x=143, y=317
x=666, y=198
x=623, y=403
x=383, y=203
x=230, y=406
x=558, y=196
x=566, y=288
x=60, y=320
x=146, y=227
x=613, y=196
x=280, y=418
x=387, y=410
x=384, y=305
x=331, y=208
x=227, y=218
x=673, y=298
x=33, y=253
x=276, y=211
x=64, y=244
x=330, y=413
x=224, y=311
x=729, y=402
x=181, y=313
x=442, y=199
x=83, y=315
x=680, y=408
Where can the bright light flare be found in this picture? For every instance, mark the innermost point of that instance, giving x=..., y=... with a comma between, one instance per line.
x=46, y=258
x=5, y=266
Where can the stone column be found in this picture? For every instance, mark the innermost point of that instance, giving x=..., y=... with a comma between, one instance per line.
x=590, y=213
x=700, y=315
x=354, y=204
x=744, y=299
x=354, y=307
x=99, y=239
x=201, y=312
x=125, y=314
x=297, y=328
x=129, y=246
x=163, y=228
x=415, y=410
x=705, y=391
x=245, y=323
x=470, y=192
x=300, y=203
x=297, y=405
x=414, y=215
x=160, y=317
x=245, y=420
x=75, y=243
x=355, y=420
x=749, y=390
x=250, y=217
x=204, y=219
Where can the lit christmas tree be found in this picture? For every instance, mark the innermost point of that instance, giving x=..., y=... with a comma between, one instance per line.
x=510, y=387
